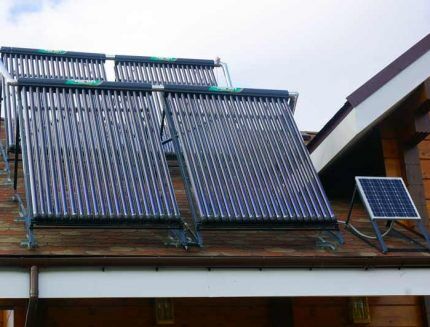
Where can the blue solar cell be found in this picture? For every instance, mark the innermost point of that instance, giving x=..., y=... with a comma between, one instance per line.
x=387, y=197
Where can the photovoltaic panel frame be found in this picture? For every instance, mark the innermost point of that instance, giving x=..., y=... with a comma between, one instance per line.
x=386, y=198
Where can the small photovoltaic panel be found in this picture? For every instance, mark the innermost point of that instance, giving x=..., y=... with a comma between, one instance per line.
x=246, y=159
x=92, y=154
x=386, y=198
x=40, y=63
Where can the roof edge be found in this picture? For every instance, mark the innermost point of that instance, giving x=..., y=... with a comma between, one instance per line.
x=390, y=71
x=370, y=87
x=329, y=126
x=219, y=262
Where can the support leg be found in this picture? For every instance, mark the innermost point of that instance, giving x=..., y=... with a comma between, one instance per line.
x=351, y=205
x=30, y=241
x=338, y=236
x=375, y=226
x=179, y=237
x=6, y=169
x=3, y=151
x=17, y=140
x=163, y=116
x=424, y=233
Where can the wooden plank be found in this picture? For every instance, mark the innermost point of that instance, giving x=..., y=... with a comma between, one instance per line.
x=414, y=179
x=321, y=316
x=427, y=188
x=19, y=316
x=394, y=300
x=425, y=168
x=320, y=301
x=424, y=148
x=390, y=148
x=393, y=167
x=399, y=316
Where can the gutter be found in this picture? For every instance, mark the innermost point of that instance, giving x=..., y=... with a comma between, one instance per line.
x=219, y=262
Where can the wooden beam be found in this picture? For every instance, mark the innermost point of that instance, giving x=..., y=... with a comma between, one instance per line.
x=414, y=178
x=411, y=119
x=423, y=97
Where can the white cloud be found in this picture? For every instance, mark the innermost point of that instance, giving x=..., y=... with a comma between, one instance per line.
x=322, y=49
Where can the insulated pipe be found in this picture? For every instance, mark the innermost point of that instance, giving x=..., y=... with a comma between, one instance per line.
x=6, y=75
x=293, y=101
x=226, y=72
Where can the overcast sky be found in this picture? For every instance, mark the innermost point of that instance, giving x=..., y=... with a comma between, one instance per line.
x=322, y=49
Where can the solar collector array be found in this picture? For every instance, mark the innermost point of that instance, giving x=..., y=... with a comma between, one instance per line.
x=245, y=159
x=93, y=155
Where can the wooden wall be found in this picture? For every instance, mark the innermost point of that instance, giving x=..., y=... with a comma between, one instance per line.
x=384, y=311
x=321, y=312
x=424, y=148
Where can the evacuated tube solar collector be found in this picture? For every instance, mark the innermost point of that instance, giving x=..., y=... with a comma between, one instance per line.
x=244, y=161
x=92, y=157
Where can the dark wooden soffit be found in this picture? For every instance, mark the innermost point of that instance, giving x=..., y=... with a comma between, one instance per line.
x=370, y=87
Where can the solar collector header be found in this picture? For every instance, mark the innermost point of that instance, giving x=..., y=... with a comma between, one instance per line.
x=166, y=60
x=168, y=88
x=52, y=53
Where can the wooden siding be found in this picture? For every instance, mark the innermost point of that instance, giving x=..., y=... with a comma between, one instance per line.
x=322, y=311
x=384, y=311
x=424, y=152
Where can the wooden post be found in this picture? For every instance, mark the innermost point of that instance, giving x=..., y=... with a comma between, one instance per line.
x=415, y=178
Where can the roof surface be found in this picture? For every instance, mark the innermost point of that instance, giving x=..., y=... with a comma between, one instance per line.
x=221, y=248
